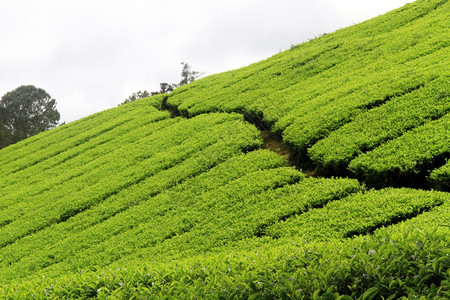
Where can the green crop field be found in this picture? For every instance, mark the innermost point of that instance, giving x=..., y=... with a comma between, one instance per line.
x=319, y=173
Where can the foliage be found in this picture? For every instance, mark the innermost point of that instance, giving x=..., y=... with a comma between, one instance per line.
x=406, y=157
x=187, y=76
x=377, y=80
x=358, y=214
x=410, y=260
x=25, y=112
x=440, y=178
x=137, y=95
x=386, y=122
x=135, y=203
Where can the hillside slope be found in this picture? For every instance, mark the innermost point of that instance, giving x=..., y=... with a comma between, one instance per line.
x=347, y=93
x=138, y=202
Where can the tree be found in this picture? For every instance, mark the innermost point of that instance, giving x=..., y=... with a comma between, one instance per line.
x=5, y=137
x=25, y=112
x=187, y=76
x=137, y=95
x=165, y=87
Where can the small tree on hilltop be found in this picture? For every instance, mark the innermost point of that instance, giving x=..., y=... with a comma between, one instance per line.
x=137, y=95
x=165, y=87
x=187, y=76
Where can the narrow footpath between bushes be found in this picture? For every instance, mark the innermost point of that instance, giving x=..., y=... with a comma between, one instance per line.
x=274, y=142
x=271, y=141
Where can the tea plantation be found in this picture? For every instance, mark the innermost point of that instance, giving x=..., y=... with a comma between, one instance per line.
x=138, y=203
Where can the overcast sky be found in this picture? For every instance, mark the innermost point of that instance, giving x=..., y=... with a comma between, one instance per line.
x=90, y=55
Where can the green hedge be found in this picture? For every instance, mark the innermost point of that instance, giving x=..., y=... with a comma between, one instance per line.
x=378, y=125
x=410, y=259
x=405, y=158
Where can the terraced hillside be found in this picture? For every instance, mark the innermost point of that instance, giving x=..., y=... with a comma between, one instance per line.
x=139, y=202
x=346, y=94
